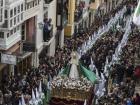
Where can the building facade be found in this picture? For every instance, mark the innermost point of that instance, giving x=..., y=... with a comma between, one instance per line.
x=2, y=6
x=78, y=16
x=21, y=34
x=23, y=37
x=50, y=13
x=10, y=38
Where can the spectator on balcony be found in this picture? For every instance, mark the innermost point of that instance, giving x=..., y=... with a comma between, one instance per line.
x=80, y=11
x=47, y=29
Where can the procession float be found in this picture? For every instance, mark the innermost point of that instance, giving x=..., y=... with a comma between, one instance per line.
x=74, y=85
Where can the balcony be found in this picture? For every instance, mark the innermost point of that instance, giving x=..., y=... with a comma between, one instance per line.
x=31, y=13
x=6, y=43
x=31, y=9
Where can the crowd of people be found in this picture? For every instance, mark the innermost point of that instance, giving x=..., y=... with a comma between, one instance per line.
x=125, y=74
x=105, y=47
x=14, y=86
x=122, y=94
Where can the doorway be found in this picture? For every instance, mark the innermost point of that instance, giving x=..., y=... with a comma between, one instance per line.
x=23, y=65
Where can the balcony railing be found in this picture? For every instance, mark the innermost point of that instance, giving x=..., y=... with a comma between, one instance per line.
x=47, y=34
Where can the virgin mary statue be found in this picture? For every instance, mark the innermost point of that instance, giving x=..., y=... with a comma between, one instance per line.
x=74, y=74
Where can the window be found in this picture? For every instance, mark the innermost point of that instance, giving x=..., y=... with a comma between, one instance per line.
x=14, y=30
x=8, y=35
x=11, y=23
x=22, y=16
x=31, y=4
x=92, y=0
x=18, y=18
x=23, y=32
x=35, y=2
x=1, y=34
x=28, y=6
x=38, y=1
x=5, y=25
x=14, y=20
x=17, y=28
x=6, y=14
x=1, y=12
x=15, y=11
x=11, y=32
x=1, y=3
x=19, y=9
x=11, y=13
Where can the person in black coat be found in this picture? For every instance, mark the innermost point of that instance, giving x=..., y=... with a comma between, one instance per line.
x=120, y=73
x=130, y=71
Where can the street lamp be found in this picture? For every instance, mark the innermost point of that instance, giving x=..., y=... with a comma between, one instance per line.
x=40, y=25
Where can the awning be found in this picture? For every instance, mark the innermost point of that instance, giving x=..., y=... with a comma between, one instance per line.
x=13, y=48
x=24, y=55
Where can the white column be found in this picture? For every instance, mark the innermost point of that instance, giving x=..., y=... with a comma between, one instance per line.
x=39, y=34
x=12, y=69
x=35, y=60
x=61, y=41
x=51, y=49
